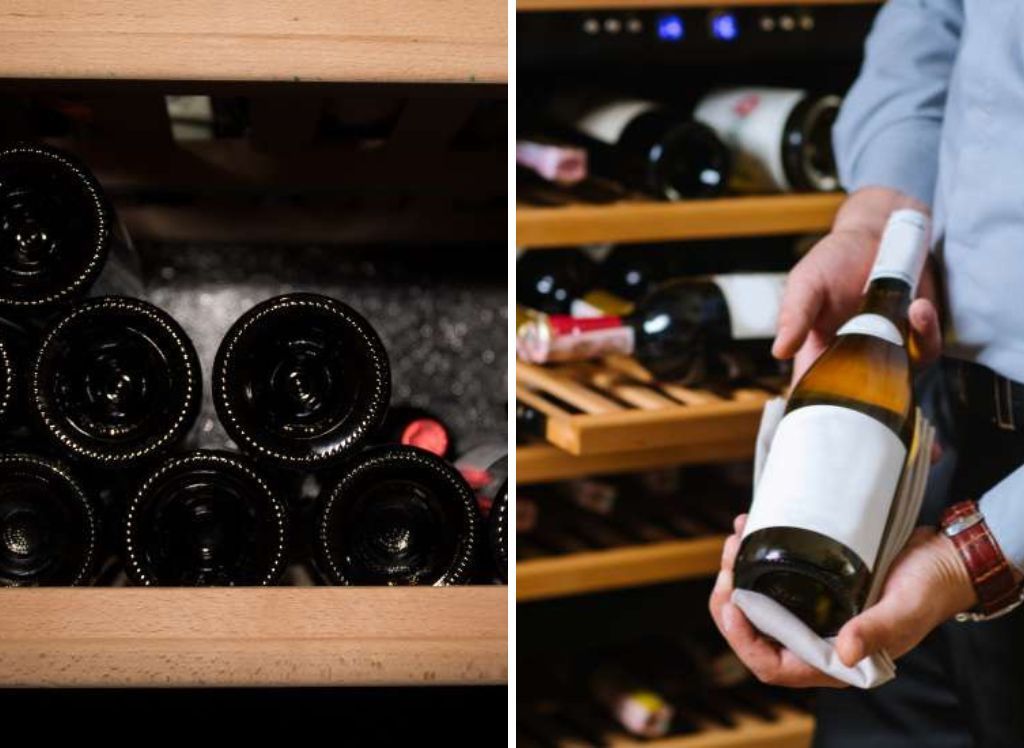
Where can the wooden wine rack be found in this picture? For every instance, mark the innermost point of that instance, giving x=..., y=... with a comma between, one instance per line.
x=620, y=409
x=649, y=221
x=253, y=637
x=617, y=568
x=793, y=729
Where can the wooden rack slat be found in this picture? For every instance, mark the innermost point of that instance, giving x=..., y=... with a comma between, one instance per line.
x=541, y=463
x=616, y=568
x=457, y=41
x=247, y=637
x=538, y=5
x=638, y=221
x=793, y=729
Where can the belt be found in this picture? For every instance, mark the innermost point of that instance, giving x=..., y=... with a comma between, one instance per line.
x=987, y=395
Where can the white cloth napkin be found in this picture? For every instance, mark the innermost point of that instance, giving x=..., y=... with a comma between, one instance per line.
x=775, y=621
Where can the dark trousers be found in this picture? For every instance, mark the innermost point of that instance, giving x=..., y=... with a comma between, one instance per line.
x=964, y=685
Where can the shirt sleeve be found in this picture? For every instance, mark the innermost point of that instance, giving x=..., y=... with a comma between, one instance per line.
x=887, y=133
x=1003, y=509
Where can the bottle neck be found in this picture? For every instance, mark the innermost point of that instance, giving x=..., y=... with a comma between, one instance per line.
x=889, y=298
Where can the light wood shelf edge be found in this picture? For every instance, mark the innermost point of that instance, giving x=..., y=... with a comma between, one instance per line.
x=416, y=41
x=539, y=463
x=582, y=5
x=793, y=730
x=253, y=637
x=581, y=573
x=639, y=221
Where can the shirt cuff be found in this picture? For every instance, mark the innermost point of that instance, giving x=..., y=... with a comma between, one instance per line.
x=1003, y=509
x=903, y=157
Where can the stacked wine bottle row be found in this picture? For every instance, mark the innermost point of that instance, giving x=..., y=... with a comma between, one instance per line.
x=656, y=688
x=596, y=146
x=98, y=397
x=676, y=312
x=600, y=513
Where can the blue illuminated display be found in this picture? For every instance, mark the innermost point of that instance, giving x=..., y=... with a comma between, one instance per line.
x=725, y=27
x=670, y=28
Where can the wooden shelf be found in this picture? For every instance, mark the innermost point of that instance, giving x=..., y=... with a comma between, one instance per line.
x=595, y=571
x=249, y=637
x=541, y=463
x=522, y=5
x=636, y=221
x=621, y=412
x=792, y=730
x=449, y=41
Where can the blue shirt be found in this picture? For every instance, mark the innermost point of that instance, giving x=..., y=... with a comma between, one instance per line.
x=938, y=113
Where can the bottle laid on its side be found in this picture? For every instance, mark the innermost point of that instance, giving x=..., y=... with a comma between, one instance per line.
x=415, y=427
x=115, y=382
x=822, y=506
x=781, y=138
x=683, y=330
x=205, y=518
x=398, y=516
x=301, y=380
x=485, y=468
x=646, y=145
x=49, y=524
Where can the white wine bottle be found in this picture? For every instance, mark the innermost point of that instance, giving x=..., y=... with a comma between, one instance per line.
x=825, y=497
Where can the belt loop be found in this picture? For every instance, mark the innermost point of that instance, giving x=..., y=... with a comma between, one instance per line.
x=1004, y=403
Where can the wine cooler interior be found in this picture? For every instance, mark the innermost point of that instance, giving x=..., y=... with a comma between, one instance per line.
x=389, y=197
x=631, y=464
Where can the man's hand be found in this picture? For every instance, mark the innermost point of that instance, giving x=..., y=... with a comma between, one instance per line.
x=824, y=289
x=927, y=585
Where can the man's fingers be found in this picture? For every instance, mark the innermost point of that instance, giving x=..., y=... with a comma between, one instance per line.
x=729, y=550
x=739, y=523
x=927, y=337
x=801, y=303
x=875, y=629
x=756, y=652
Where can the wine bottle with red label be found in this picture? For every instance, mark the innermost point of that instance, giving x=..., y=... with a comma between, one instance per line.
x=822, y=505
x=677, y=332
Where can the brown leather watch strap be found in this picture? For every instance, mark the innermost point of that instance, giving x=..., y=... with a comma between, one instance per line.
x=988, y=568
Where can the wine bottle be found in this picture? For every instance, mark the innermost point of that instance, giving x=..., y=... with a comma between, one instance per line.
x=781, y=138
x=498, y=532
x=555, y=162
x=415, y=427
x=647, y=146
x=398, y=516
x=823, y=502
x=205, y=518
x=301, y=380
x=49, y=524
x=55, y=228
x=115, y=381
x=550, y=280
x=678, y=331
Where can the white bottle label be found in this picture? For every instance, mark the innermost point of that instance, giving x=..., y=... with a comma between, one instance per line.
x=903, y=249
x=872, y=324
x=834, y=471
x=606, y=121
x=753, y=301
x=752, y=122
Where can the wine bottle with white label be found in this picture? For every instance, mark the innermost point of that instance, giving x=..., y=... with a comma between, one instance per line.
x=823, y=503
x=645, y=145
x=780, y=138
x=675, y=332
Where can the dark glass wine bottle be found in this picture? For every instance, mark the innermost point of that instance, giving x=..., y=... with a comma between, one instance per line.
x=678, y=331
x=205, y=518
x=301, y=380
x=115, y=382
x=550, y=280
x=55, y=228
x=781, y=138
x=398, y=516
x=646, y=145
x=499, y=532
x=49, y=524
x=823, y=502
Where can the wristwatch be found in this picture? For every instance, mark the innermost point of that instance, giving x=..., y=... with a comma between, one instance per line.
x=990, y=572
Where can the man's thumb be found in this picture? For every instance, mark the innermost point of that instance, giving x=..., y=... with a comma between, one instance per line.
x=867, y=633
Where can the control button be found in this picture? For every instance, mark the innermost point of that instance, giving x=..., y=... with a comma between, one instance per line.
x=612, y=25
x=634, y=25
x=724, y=26
x=767, y=23
x=591, y=26
x=787, y=23
x=807, y=22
